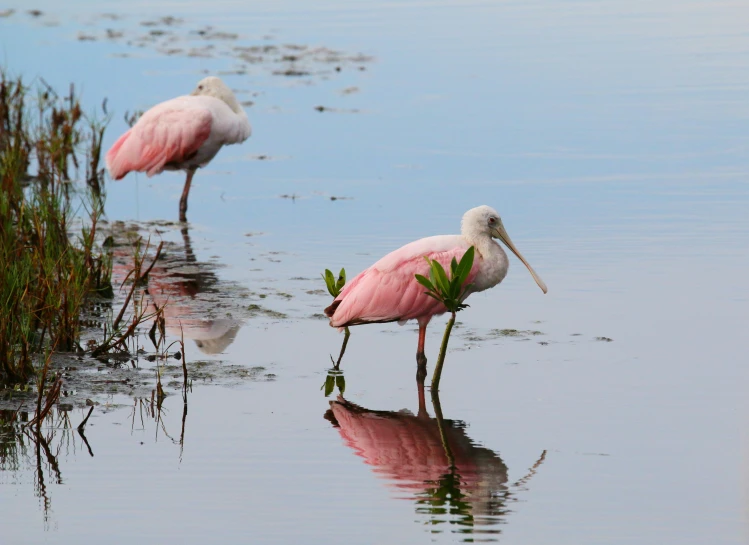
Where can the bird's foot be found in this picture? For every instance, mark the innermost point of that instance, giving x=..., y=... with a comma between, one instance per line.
x=421, y=359
x=421, y=366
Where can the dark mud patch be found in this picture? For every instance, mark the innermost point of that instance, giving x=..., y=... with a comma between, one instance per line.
x=257, y=310
x=195, y=303
x=264, y=157
x=518, y=334
x=337, y=110
x=177, y=36
x=89, y=382
x=288, y=64
x=292, y=197
x=473, y=337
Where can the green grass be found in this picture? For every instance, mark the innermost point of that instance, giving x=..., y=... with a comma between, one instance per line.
x=50, y=181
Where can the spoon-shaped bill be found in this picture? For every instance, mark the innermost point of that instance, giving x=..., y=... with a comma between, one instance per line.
x=504, y=237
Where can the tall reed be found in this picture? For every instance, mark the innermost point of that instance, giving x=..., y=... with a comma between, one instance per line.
x=50, y=182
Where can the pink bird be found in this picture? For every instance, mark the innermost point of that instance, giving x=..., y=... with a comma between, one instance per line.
x=183, y=133
x=388, y=292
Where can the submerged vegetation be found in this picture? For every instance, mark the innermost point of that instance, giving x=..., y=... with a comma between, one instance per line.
x=49, y=269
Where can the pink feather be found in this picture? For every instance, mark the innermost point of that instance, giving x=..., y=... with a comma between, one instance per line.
x=388, y=291
x=165, y=134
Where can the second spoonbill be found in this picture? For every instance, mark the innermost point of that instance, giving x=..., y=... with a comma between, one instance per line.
x=183, y=133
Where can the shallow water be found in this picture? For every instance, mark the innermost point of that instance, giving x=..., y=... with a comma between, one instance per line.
x=611, y=138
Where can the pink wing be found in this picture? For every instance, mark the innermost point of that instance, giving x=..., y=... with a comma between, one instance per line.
x=167, y=133
x=388, y=290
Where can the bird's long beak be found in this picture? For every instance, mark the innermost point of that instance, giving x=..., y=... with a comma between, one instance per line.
x=504, y=237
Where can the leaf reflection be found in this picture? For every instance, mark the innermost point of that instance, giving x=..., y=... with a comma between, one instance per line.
x=455, y=484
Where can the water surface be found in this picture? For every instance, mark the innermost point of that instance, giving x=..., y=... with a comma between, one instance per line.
x=611, y=138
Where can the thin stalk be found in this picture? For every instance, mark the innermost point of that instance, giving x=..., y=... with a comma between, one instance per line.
x=443, y=351
x=441, y=426
x=184, y=367
x=137, y=280
x=347, y=334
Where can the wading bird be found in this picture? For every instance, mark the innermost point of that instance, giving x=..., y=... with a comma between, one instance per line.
x=388, y=291
x=183, y=133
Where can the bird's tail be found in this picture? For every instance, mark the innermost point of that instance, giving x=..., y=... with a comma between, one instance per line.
x=329, y=311
x=118, y=163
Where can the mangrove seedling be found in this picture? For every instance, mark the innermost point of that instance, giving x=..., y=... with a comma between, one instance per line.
x=334, y=288
x=450, y=291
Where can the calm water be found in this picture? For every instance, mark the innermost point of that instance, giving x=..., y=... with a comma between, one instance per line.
x=611, y=136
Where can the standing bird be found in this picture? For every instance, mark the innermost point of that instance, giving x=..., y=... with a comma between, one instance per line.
x=183, y=133
x=388, y=291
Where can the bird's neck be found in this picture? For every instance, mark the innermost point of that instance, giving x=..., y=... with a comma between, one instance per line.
x=493, y=262
x=235, y=106
x=481, y=241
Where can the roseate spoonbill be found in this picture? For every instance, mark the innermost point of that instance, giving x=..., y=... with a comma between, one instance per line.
x=183, y=133
x=388, y=292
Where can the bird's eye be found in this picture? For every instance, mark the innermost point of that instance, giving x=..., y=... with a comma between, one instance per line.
x=200, y=87
x=492, y=220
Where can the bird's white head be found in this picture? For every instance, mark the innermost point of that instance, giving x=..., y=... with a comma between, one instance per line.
x=484, y=221
x=214, y=87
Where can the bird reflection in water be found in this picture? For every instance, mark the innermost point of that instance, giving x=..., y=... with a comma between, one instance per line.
x=178, y=284
x=452, y=480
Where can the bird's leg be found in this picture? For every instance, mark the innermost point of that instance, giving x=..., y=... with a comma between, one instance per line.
x=420, y=388
x=185, y=193
x=421, y=359
x=189, y=254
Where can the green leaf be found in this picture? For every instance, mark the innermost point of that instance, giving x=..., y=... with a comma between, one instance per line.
x=330, y=283
x=433, y=296
x=466, y=263
x=439, y=276
x=424, y=281
x=341, y=280
x=453, y=267
x=340, y=381
x=455, y=288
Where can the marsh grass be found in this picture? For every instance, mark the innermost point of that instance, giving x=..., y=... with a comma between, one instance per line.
x=50, y=182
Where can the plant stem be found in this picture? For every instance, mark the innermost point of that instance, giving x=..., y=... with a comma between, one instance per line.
x=347, y=334
x=443, y=351
x=441, y=427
